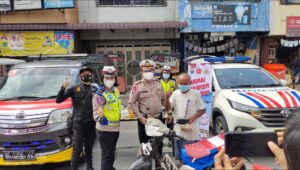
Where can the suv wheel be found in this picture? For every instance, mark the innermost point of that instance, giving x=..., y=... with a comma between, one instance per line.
x=220, y=125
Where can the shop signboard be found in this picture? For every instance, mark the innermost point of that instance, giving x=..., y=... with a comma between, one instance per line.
x=231, y=14
x=52, y=4
x=5, y=5
x=161, y=60
x=27, y=4
x=201, y=80
x=25, y=43
x=293, y=26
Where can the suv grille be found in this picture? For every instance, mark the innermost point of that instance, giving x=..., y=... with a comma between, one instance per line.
x=38, y=146
x=20, y=120
x=273, y=118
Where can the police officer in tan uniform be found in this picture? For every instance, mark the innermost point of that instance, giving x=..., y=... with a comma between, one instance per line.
x=146, y=99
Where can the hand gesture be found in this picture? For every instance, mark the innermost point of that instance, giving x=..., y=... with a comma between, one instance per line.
x=279, y=154
x=168, y=94
x=143, y=120
x=223, y=162
x=169, y=118
x=66, y=83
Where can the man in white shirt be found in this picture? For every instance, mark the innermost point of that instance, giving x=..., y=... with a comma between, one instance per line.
x=187, y=104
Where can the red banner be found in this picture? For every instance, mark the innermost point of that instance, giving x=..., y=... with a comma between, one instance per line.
x=293, y=26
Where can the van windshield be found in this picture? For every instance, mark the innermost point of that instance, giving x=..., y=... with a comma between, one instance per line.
x=35, y=83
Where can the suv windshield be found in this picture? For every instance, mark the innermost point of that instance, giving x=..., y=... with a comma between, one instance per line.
x=245, y=77
x=35, y=83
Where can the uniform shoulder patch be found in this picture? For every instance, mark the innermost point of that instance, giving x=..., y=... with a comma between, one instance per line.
x=134, y=88
x=100, y=100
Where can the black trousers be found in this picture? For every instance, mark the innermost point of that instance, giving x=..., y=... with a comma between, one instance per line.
x=143, y=138
x=84, y=135
x=108, y=142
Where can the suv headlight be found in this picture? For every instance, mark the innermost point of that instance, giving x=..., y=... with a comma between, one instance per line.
x=242, y=107
x=58, y=116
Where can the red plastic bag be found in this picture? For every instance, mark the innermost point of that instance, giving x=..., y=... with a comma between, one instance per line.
x=260, y=167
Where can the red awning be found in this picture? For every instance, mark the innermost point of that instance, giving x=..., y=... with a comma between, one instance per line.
x=94, y=26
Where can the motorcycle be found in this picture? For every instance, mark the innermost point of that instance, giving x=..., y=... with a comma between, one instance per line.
x=148, y=151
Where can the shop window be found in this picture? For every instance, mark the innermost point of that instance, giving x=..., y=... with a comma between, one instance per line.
x=114, y=2
x=283, y=2
x=132, y=2
x=253, y=1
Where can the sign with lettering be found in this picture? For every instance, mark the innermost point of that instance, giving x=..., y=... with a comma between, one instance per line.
x=293, y=26
x=201, y=78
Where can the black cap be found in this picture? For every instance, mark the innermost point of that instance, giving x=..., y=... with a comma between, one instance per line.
x=85, y=68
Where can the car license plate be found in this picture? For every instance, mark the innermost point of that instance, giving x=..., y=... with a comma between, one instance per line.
x=19, y=155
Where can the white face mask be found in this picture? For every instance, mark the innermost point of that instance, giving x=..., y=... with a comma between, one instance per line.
x=109, y=83
x=148, y=75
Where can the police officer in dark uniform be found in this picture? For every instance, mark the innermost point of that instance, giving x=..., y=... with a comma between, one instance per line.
x=83, y=123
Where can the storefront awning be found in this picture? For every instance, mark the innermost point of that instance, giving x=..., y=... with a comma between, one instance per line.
x=94, y=26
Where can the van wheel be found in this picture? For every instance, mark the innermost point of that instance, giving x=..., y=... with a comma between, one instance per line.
x=220, y=125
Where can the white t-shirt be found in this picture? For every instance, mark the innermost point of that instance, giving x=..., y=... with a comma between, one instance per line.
x=185, y=106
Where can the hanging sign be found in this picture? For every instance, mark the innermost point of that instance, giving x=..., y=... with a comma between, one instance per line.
x=289, y=43
x=27, y=4
x=52, y=4
x=5, y=5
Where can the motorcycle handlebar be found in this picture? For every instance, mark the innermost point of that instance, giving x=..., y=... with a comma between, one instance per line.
x=173, y=135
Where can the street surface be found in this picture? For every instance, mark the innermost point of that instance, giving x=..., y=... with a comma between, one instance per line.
x=126, y=152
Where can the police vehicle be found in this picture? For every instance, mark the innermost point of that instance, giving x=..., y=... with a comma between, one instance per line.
x=247, y=97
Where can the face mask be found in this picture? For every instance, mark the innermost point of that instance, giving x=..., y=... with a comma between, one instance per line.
x=166, y=76
x=184, y=88
x=148, y=75
x=109, y=83
x=86, y=78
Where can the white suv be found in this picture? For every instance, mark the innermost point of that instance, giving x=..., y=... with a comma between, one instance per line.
x=247, y=97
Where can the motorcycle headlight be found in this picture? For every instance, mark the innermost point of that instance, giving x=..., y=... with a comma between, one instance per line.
x=243, y=107
x=58, y=116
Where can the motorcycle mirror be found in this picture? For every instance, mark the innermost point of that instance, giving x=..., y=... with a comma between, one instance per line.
x=182, y=121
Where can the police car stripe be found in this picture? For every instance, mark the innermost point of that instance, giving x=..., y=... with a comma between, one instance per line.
x=296, y=95
x=262, y=99
x=292, y=98
x=258, y=104
x=285, y=99
x=271, y=100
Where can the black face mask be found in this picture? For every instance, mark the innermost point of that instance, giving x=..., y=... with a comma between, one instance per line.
x=86, y=78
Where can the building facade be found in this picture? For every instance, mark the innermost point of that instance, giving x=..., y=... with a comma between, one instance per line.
x=135, y=29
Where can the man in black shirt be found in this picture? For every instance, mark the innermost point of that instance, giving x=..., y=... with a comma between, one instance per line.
x=83, y=123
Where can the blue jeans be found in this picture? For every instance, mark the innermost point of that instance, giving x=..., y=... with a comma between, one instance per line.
x=178, y=144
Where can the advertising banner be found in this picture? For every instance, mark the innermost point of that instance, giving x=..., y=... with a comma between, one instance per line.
x=201, y=77
x=225, y=17
x=36, y=43
x=231, y=15
x=48, y=4
x=5, y=5
x=161, y=60
x=27, y=4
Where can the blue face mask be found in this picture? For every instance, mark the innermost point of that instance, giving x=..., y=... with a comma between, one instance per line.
x=166, y=76
x=184, y=88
